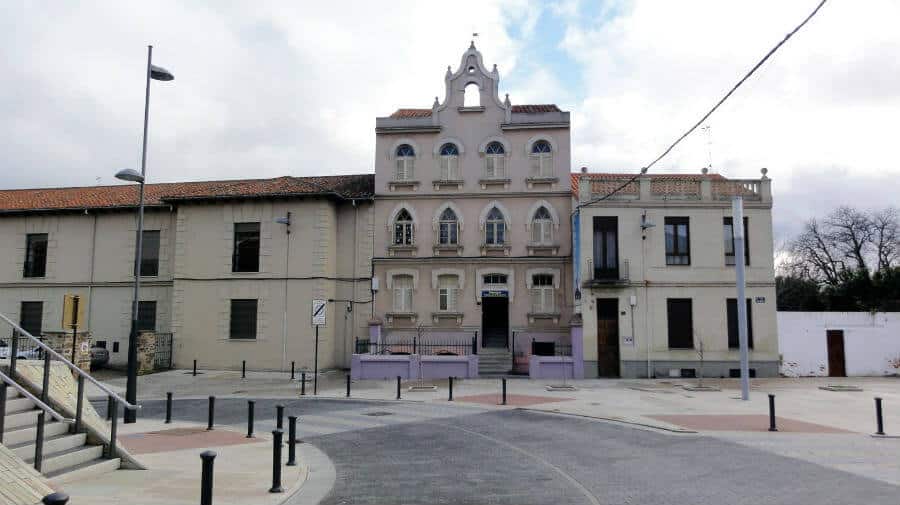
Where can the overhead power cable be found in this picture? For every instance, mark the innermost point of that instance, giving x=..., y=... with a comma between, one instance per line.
x=713, y=109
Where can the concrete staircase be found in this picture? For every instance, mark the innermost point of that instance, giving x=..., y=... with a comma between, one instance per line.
x=67, y=456
x=494, y=361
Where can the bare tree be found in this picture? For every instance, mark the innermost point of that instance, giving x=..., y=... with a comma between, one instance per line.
x=850, y=232
x=886, y=237
x=813, y=255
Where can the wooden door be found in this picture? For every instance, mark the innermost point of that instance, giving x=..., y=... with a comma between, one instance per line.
x=608, y=337
x=836, y=363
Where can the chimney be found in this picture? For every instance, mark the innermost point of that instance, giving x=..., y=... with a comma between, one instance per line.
x=584, y=170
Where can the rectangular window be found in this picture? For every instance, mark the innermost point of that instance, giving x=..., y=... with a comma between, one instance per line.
x=403, y=293
x=403, y=233
x=448, y=289
x=542, y=231
x=35, y=255
x=731, y=308
x=449, y=167
x=245, y=256
x=449, y=233
x=681, y=323
x=729, y=241
x=405, y=166
x=495, y=279
x=493, y=233
x=150, y=253
x=542, y=164
x=100, y=343
x=543, y=296
x=243, y=319
x=678, y=241
x=146, y=316
x=31, y=317
x=495, y=167
x=606, y=252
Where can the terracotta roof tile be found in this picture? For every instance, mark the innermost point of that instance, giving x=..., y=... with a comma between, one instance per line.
x=100, y=197
x=518, y=109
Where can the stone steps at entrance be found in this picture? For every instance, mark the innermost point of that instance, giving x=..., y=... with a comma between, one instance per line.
x=494, y=361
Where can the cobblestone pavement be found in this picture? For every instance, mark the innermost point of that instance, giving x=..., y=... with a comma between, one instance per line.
x=423, y=452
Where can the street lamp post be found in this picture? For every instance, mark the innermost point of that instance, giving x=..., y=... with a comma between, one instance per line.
x=159, y=74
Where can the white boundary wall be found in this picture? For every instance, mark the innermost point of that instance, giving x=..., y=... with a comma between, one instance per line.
x=871, y=342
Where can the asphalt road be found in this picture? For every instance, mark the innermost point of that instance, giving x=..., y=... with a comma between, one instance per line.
x=415, y=453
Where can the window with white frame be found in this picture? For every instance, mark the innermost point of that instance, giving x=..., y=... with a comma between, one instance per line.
x=448, y=228
x=448, y=293
x=541, y=159
x=403, y=293
x=491, y=280
x=495, y=161
x=495, y=228
x=403, y=228
x=543, y=295
x=542, y=226
x=449, y=162
x=405, y=156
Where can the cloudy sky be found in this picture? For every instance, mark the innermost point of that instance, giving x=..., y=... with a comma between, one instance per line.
x=272, y=88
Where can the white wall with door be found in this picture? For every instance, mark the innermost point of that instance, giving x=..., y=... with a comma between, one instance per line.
x=871, y=343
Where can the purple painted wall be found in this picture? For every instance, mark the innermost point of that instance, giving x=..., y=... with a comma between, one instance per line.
x=370, y=366
x=551, y=367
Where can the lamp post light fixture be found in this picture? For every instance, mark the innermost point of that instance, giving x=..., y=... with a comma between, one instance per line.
x=131, y=175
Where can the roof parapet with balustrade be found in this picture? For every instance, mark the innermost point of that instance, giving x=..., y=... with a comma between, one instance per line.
x=705, y=188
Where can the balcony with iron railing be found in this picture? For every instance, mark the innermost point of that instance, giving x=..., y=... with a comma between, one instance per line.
x=601, y=277
x=670, y=187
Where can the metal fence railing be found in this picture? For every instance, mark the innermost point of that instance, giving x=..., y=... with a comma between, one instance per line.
x=550, y=348
x=24, y=349
x=421, y=346
x=162, y=359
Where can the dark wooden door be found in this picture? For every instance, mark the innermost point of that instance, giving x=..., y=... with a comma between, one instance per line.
x=608, y=337
x=836, y=364
x=494, y=321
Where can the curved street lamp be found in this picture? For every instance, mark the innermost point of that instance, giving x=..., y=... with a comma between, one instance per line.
x=131, y=175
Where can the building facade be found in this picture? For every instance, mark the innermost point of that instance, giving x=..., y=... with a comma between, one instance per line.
x=472, y=229
x=219, y=271
x=656, y=279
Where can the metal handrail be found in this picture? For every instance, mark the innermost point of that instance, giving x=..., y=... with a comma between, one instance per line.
x=71, y=365
x=41, y=405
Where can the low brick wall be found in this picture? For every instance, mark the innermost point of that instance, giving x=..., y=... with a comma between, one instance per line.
x=551, y=367
x=412, y=366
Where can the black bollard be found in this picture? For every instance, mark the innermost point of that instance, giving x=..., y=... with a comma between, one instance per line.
x=56, y=499
x=195, y=368
x=398, y=387
x=302, y=383
x=878, y=418
x=212, y=413
x=292, y=441
x=168, y=407
x=279, y=416
x=250, y=404
x=450, y=389
x=348, y=386
x=276, y=462
x=772, y=413
x=292, y=370
x=206, y=477
x=503, y=384
x=243, y=369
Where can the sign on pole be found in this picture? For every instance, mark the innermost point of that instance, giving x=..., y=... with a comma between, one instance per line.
x=318, y=312
x=73, y=312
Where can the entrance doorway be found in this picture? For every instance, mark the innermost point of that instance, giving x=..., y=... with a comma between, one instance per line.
x=494, y=321
x=836, y=364
x=608, y=337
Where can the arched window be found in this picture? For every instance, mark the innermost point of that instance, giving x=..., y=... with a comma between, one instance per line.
x=448, y=228
x=472, y=96
x=403, y=293
x=403, y=228
x=405, y=162
x=449, y=162
x=542, y=226
x=495, y=161
x=541, y=159
x=494, y=228
x=448, y=292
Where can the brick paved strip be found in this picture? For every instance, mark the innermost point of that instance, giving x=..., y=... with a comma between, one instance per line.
x=743, y=423
x=183, y=438
x=514, y=400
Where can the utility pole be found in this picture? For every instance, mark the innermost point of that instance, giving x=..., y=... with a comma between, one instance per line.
x=737, y=225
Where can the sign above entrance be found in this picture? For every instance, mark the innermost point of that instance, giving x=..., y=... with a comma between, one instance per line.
x=494, y=293
x=318, y=312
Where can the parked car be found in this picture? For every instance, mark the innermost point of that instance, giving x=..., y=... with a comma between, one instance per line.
x=20, y=353
x=99, y=357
